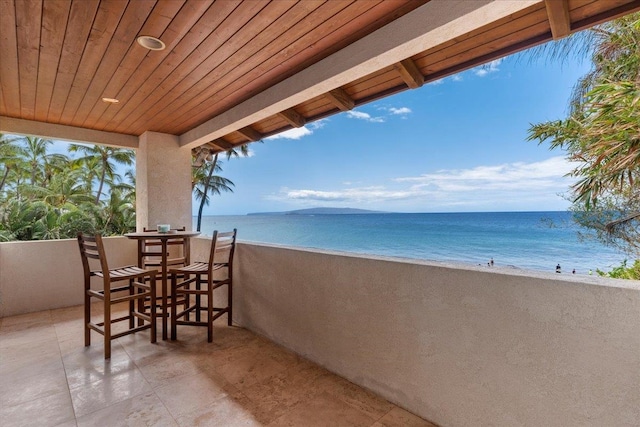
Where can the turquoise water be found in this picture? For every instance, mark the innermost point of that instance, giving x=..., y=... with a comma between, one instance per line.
x=513, y=239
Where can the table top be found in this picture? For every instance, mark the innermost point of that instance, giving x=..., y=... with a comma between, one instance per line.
x=158, y=235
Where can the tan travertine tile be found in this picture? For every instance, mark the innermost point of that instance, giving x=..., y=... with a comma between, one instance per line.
x=398, y=417
x=41, y=332
x=143, y=410
x=324, y=410
x=15, y=390
x=27, y=355
x=276, y=395
x=138, y=346
x=107, y=391
x=239, y=379
x=354, y=396
x=162, y=369
x=47, y=411
x=70, y=344
x=70, y=423
x=33, y=366
x=88, y=365
x=74, y=313
x=229, y=411
x=194, y=393
x=245, y=366
x=25, y=321
x=194, y=339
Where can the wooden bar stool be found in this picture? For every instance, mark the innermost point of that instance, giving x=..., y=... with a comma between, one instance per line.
x=150, y=252
x=217, y=272
x=135, y=291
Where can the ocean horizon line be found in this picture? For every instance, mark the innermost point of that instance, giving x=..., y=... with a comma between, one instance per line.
x=390, y=212
x=538, y=240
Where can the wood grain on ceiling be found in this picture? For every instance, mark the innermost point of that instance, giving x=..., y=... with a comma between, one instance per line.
x=59, y=58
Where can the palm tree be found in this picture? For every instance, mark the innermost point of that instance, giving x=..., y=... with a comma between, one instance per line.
x=36, y=157
x=10, y=157
x=64, y=189
x=602, y=131
x=204, y=180
x=105, y=156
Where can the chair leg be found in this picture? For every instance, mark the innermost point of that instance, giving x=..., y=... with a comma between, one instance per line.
x=198, y=297
x=187, y=298
x=141, y=308
x=174, y=310
x=107, y=328
x=132, y=306
x=209, y=310
x=87, y=319
x=152, y=309
x=229, y=303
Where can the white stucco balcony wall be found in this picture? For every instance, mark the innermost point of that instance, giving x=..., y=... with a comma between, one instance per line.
x=47, y=274
x=458, y=345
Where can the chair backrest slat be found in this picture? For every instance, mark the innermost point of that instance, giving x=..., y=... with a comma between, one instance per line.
x=220, y=243
x=91, y=247
x=151, y=249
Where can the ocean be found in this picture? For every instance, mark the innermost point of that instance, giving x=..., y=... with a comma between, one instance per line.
x=523, y=240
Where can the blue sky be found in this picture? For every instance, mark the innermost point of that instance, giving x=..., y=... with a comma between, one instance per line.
x=456, y=145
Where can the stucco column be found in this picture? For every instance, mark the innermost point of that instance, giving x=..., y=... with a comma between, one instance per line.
x=163, y=182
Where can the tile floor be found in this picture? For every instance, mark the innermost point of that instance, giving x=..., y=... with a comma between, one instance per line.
x=48, y=378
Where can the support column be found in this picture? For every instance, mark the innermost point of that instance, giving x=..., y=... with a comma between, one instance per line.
x=163, y=182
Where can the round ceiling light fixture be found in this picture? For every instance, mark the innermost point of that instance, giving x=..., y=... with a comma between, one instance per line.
x=151, y=43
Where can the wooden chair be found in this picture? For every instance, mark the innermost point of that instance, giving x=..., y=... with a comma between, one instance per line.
x=136, y=288
x=217, y=272
x=150, y=252
x=150, y=255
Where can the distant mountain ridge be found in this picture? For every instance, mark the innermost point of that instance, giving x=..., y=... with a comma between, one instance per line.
x=320, y=211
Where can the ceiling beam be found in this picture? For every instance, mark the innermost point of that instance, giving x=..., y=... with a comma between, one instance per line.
x=250, y=133
x=559, y=19
x=292, y=117
x=421, y=29
x=220, y=145
x=340, y=99
x=15, y=126
x=410, y=73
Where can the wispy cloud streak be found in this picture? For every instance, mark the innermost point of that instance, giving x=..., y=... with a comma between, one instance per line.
x=479, y=187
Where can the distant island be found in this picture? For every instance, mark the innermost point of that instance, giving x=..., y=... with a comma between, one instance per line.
x=321, y=211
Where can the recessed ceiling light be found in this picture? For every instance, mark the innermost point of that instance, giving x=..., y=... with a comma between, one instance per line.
x=110, y=100
x=151, y=43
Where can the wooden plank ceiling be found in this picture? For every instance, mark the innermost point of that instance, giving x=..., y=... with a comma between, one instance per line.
x=59, y=58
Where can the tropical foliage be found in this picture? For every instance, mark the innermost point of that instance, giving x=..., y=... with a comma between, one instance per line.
x=602, y=132
x=204, y=182
x=46, y=195
x=623, y=271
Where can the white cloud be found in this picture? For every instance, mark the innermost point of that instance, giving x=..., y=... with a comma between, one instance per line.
x=510, y=175
x=318, y=124
x=491, y=67
x=352, y=195
x=456, y=77
x=514, y=186
x=295, y=133
x=400, y=111
x=364, y=116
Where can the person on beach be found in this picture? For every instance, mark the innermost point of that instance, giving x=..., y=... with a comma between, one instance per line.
x=558, y=269
x=491, y=262
x=574, y=271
